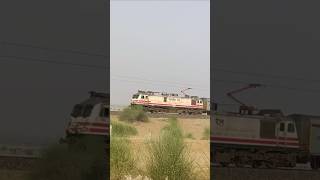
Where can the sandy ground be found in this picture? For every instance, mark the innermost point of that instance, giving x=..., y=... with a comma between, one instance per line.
x=199, y=149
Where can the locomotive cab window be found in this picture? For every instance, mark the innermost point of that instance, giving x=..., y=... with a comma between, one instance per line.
x=104, y=112
x=87, y=110
x=136, y=96
x=290, y=128
x=282, y=127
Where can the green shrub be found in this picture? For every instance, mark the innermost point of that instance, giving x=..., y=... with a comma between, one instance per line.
x=82, y=160
x=121, y=158
x=189, y=136
x=206, y=134
x=168, y=156
x=133, y=113
x=121, y=129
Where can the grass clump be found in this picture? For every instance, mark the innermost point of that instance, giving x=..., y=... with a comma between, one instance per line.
x=168, y=156
x=133, y=113
x=189, y=136
x=83, y=160
x=122, y=162
x=121, y=129
x=206, y=134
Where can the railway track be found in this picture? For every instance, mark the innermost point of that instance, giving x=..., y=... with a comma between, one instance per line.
x=167, y=115
x=248, y=173
x=11, y=162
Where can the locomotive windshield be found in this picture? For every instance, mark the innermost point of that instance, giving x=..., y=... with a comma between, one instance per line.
x=81, y=110
x=77, y=110
x=135, y=96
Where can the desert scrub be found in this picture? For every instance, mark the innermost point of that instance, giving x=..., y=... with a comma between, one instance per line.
x=122, y=129
x=133, y=113
x=206, y=134
x=168, y=155
x=122, y=162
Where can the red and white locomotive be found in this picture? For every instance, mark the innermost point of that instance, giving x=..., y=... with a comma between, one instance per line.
x=90, y=117
x=170, y=103
x=264, y=138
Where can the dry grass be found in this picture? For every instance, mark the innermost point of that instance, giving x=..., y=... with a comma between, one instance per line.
x=199, y=149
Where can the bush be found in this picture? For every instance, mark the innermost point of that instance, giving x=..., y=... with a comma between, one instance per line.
x=121, y=129
x=206, y=134
x=168, y=156
x=189, y=136
x=133, y=113
x=121, y=158
x=83, y=161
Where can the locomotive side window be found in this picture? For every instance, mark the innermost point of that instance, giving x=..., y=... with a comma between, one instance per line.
x=290, y=128
x=282, y=127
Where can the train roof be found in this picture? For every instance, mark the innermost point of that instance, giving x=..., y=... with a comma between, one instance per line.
x=304, y=116
x=153, y=93
x=96, y=98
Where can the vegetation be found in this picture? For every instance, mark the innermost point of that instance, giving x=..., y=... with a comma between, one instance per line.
x=13, y=175
x=122, y=162
x=168, y=156
x=133, y=113
x=83, y=160
x=189, y=136
x=121, y=129
x=206, y=134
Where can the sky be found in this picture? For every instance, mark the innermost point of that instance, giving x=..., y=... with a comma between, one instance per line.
x=159, y=46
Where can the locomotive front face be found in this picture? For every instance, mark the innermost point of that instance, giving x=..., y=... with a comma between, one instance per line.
x=89, y=119
x=139, y=99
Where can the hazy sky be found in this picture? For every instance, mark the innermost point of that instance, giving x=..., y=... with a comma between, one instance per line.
x=159, y=46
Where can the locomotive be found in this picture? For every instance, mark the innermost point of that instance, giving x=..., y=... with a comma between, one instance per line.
x=264, y=138
x=90, y=117
x=155, y=102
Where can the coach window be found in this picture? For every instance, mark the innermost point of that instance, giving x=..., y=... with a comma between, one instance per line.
x=165, y=99
x=290, y=128
x=142, y=97
x=282, y=127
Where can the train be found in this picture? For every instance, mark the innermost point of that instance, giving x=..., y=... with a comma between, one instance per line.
x=264, y=138
x=90, y=117
x=157, y=102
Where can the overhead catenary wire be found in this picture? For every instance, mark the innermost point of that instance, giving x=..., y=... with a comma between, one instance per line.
x=264, y=75
x=61, y=50
x=268, y=85
x=161, y=81
x=137, y=81
x=38, y=60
